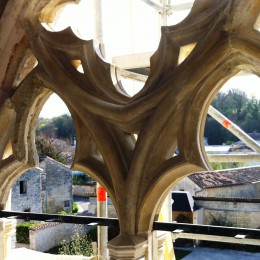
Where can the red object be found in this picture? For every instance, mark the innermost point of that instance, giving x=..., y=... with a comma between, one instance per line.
x=101, y=194
x=226, y=123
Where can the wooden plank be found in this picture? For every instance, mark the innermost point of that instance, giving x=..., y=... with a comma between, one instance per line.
x=234, y=157
x=138, y=60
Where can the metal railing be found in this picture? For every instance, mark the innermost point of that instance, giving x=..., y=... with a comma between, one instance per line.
x=180, y=230
x=75, y=219
x=237, y=235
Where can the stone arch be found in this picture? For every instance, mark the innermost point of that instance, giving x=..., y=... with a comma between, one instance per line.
x=168, y=112
x=193, y=126
x=22, y=93
x=174, y=95
x=25, y=112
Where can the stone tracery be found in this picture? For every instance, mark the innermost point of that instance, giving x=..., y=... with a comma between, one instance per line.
x=169, y=112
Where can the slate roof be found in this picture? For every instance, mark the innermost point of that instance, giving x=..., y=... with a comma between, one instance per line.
x=183, y=201
x=214, y=179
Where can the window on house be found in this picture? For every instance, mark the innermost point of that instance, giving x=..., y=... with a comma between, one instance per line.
x=27, y=210
x=66, y=203
x=23, y=187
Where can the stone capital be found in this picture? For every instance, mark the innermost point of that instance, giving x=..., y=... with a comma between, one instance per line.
x=127, y=247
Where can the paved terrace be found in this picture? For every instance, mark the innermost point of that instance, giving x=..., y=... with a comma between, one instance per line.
x=201, y=253
x=25, y=254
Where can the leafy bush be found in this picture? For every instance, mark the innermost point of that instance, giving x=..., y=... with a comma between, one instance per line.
x=22, y=232
x=80, y=244
x=75, y=208
x=46, y=147
x=222, y=166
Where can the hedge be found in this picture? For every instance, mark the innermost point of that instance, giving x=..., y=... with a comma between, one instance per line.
x=22, y=232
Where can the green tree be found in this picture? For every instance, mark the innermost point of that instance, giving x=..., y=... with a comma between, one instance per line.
x=222, y=166
x=234, y=105
x=214, y=132
x=253, y=116
x=46, y=128
x=64, y=126
x=60, y=127
x=45, y=147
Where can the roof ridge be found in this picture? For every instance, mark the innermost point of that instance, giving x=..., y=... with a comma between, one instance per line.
x=45, y=225
x=229, y=199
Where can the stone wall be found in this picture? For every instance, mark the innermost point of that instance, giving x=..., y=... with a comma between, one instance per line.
x=198, y=216
x=257, y=189
x=186, y=184
x=25, y=254
x=58, y=187
x=231, y=212
x=26, y=192
x=234, y=191
x=49, y=235
x=83, y=190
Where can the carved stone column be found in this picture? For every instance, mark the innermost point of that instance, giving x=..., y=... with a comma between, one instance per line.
x=137, y=247
x=7, y=228
x=127, y=247
x=169, y=113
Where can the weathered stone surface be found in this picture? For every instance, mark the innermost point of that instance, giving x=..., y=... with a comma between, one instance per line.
x=57, y=188
x=169, y=112
x=30, y=199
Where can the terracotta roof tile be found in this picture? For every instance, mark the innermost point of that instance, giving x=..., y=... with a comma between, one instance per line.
x=45, y=225
x=239, y=176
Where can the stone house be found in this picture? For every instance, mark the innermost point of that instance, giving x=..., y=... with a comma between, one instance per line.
x=228, y=197
x=237, y=212
x=46, y=189
x=241, y=182
x=25, y=194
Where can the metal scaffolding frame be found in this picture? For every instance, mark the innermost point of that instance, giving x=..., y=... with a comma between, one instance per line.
x=166, y=6
x=130, y=72
x=219, y=117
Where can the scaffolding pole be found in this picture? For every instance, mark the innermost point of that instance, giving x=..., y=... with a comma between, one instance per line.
x=243, y=158
x=154, y=5
x=234, y=129
x=101, y=193
x=102, y=230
